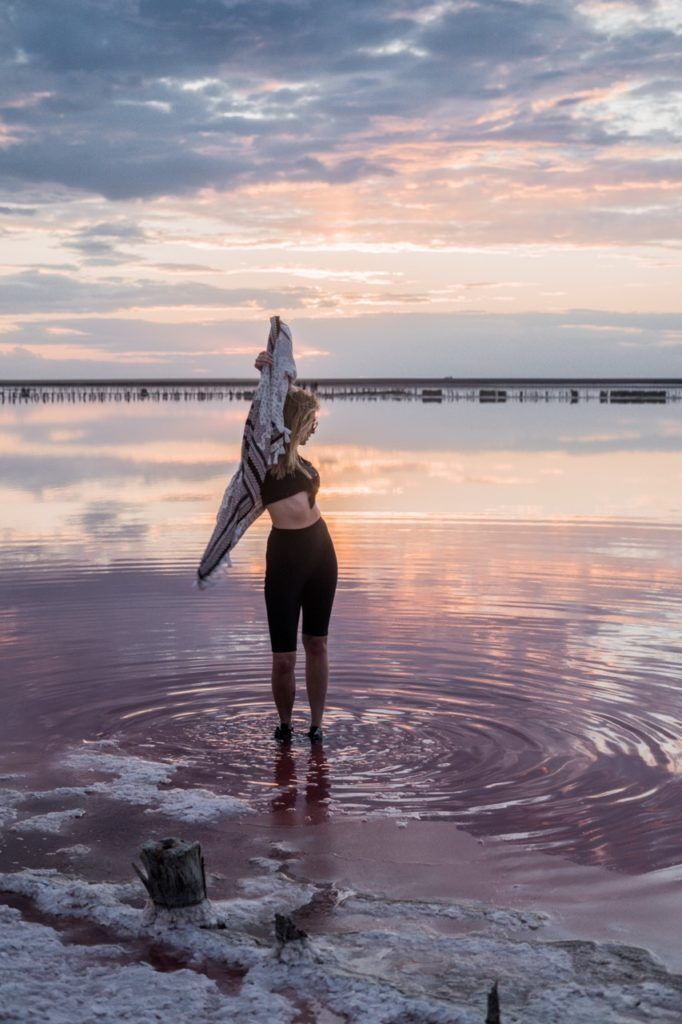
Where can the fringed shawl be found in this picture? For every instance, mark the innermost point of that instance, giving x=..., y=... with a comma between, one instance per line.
x=264, y=440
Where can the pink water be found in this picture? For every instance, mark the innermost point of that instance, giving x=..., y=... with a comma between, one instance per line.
x=520, y=679
x=505, y=650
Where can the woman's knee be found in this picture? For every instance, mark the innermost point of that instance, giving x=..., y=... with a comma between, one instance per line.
x=314, y=644
x=283, y=662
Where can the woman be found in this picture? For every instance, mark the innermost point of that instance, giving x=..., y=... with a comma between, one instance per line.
x=301, y=568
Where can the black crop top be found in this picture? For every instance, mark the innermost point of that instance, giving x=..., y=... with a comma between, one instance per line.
x=273, y=489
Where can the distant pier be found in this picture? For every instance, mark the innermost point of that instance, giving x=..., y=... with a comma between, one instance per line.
x=422, y=389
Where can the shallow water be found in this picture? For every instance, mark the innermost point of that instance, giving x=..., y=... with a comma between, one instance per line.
x=521, y=679
x=505, y=642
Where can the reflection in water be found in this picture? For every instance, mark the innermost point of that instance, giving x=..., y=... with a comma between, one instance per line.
x=316, y=791
x=285, y=780
x=515, y=671
x=517, y=678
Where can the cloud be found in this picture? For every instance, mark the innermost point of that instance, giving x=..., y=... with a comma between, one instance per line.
x=362, y=156
x=166, y=98
x=99, y=242
x=35, y=292
x=17, y=211
x=412, y=344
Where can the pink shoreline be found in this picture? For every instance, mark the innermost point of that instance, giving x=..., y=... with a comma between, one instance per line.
x=439, y=861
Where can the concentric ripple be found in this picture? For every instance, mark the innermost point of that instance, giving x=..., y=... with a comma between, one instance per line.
x=517, y=679
x=497, y=763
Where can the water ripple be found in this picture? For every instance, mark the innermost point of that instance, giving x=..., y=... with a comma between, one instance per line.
x=538, y=702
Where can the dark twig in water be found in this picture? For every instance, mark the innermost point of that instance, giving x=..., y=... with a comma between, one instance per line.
x=286, y=930
x=493, y=1014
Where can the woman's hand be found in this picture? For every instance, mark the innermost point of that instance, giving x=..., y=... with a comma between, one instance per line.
x=262, y=359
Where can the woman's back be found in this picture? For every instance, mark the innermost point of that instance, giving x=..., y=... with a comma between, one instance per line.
x=274, y=489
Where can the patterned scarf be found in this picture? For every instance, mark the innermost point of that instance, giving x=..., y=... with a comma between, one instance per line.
x=264, y=440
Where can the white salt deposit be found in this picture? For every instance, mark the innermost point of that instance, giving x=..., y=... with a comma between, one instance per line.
x=77, y=983
x=9, y=798
x=398, y=968
x=270, y=864
x=53, y=821
x=401, y=815
x=368, y=957
x=284, y=848
x=137, y=782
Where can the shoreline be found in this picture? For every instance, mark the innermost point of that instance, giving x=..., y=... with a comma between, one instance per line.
x=412, y=921
x=440, y=861
x=403, y=918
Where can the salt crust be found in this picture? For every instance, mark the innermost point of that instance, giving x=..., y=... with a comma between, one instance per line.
x=136, y=781
x=399, y=970
x=53, y=821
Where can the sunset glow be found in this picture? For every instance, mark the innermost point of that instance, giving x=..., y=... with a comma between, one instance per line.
x=489, y=172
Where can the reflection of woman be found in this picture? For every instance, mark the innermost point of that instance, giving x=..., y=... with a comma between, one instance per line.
x=301, y=567
x=317, y=792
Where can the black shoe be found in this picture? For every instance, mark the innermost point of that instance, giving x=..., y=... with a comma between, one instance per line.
x=283, y=732
x=314, y=734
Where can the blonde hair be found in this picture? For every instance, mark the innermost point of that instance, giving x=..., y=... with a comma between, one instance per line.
x=300, y=410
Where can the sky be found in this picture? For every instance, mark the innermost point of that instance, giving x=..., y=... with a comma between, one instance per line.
x=458, y=188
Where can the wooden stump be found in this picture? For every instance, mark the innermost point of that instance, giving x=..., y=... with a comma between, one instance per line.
x=175, y=872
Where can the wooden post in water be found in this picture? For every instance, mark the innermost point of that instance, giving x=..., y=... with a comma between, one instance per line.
x=175, y=872
x=176, y=883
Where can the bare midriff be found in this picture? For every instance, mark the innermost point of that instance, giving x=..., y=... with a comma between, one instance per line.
x=294, y=512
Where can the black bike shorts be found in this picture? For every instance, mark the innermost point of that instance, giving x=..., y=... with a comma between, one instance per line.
x=300, y=572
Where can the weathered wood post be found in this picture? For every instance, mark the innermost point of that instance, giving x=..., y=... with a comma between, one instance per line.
x=175, y=882
x=175, y=872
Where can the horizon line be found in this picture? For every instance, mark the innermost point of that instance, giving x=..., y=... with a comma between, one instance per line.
x=335, y=381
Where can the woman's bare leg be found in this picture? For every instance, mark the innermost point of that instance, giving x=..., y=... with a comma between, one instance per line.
x=284, y=683
x=316, y=675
